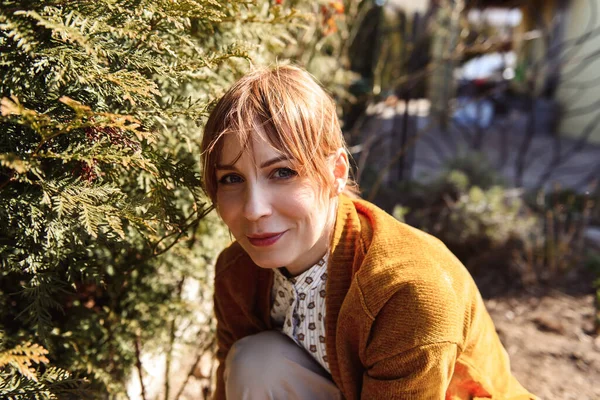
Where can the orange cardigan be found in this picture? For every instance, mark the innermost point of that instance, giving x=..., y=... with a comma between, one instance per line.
x=404, y=318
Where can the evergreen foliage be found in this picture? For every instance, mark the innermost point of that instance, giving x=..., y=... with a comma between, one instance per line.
x=102, y=220
x=324, y=41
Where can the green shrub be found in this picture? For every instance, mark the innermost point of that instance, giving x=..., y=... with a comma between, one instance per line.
x=482, y=227
x=102, y=220
x=499, y=233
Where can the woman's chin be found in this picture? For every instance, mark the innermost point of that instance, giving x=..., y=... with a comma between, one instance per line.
x=268, y=263
x=264, y=259
x=269, y=266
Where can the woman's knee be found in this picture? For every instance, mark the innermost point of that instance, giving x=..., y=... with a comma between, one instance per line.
x=269, y=365
x=256, y=358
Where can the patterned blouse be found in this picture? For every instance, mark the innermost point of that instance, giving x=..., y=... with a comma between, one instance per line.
x=298, y=309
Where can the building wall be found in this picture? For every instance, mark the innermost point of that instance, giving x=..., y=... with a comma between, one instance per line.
x=579, y=88
x=530, y=44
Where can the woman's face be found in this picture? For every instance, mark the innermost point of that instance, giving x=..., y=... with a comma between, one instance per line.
x=278, y=217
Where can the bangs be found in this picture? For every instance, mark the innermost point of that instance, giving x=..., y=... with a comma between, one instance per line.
x=279, y=112
x=287, y=109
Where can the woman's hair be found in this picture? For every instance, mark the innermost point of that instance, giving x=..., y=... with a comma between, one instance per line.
x=289, y=110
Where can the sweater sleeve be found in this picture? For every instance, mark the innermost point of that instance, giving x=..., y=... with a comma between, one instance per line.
x=420, y=373
x=414, y=343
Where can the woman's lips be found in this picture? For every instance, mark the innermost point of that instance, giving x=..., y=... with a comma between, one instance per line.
x=265, y=239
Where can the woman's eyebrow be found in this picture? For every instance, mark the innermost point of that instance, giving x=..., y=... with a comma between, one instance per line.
x=227, y=167
x=275, y=160
x=232, y=167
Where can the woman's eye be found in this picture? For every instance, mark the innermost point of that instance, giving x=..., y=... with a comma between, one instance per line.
x=230, y=179
x=284, y=173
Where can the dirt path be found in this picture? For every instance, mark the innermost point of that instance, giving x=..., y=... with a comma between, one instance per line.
x=550, y=340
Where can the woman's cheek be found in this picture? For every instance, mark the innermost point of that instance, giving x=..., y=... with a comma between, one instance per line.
x=303, y=196
x=227, y=204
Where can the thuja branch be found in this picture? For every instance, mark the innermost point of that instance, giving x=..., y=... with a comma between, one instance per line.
x=179, y=232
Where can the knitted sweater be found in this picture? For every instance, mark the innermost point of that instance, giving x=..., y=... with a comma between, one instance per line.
x=404, y=317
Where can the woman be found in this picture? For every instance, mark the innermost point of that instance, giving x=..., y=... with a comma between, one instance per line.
x=323, y=295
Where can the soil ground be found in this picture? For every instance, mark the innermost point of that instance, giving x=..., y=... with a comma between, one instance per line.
x=549, y=335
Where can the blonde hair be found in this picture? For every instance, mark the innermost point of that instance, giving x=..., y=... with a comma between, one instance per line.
x=289, y=110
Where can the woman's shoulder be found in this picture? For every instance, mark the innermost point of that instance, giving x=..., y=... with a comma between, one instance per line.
x=401, y=260
x=233, y=257
x=388, y=240
x=237, y=279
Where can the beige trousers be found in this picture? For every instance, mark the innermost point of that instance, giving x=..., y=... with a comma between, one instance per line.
x=269, y=365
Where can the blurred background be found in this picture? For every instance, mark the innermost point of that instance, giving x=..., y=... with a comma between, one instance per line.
x=477, y=121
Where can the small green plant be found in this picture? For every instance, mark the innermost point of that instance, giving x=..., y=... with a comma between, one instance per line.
x=477, y=168
x=559, y=244
x=593, y=264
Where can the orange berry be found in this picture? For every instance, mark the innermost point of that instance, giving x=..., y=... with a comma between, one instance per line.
x=337, y=6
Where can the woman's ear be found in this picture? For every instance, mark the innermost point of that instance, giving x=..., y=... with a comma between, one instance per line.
x=341, y=168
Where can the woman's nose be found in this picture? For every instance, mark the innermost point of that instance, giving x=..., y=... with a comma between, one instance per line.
x=257, y=204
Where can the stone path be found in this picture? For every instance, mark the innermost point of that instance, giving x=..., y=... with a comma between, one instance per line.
x=500, y=144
